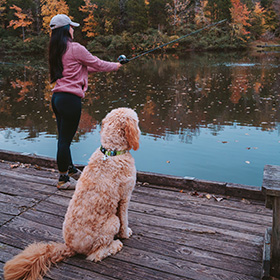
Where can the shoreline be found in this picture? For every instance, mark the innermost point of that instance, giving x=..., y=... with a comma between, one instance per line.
x=181, y=183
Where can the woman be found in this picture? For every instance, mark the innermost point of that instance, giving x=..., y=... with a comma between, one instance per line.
x=69, y=64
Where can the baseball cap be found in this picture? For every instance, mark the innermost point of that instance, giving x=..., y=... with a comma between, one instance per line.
x=61, y=20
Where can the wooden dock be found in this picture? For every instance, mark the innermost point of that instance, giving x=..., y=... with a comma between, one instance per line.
x=177, y=234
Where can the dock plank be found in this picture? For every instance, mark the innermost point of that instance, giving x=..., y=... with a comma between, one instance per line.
x=168, y=248
x=175, y=235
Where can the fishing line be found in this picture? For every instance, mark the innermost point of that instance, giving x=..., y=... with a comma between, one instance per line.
x=123, y=59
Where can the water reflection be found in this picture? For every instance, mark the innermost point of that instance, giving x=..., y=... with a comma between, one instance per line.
x=178, y=99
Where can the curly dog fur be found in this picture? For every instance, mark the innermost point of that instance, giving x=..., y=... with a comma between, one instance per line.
x=98, y=209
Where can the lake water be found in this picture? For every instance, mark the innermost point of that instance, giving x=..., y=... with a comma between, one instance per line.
x=212, y=116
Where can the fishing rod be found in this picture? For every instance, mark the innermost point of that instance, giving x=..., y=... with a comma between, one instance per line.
x=123, y=59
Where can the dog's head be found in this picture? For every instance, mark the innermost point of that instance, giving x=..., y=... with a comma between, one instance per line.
x=120, y=130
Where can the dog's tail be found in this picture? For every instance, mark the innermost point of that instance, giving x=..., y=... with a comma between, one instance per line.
x=35, y=261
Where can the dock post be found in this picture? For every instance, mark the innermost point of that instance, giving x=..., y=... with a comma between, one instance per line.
x=271, y=189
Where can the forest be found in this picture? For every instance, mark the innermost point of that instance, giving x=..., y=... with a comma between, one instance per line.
x=132, y=26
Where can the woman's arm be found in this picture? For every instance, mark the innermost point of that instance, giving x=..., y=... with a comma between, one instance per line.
x=93, y=63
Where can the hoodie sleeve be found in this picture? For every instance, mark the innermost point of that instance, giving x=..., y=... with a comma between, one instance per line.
x=93, y=63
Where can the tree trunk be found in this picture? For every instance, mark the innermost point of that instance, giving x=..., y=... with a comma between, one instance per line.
x=23, y=34
x=38, y=20
x=122, y=5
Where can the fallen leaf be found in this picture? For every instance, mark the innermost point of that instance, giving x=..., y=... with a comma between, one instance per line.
x=245, y=201
x=208, y=196
x=167, y=161
x=224, y=142
x=247, y=161
x=37, y=167
x=218, y=198
x=194, y=193
x=16, y=165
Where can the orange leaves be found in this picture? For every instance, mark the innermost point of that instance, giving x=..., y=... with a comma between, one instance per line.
x=24, y=88
x=240, y=17
x=3, y=8
x=51, y=8
x=90, y=22
x=258, y=9
x=23, y=19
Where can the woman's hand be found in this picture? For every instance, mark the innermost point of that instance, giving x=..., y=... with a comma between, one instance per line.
x=119, y=65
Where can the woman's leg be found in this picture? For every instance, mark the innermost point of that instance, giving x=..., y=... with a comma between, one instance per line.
x=67, y=108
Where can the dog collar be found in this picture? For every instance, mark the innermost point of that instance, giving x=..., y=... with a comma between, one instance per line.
x=108, y=153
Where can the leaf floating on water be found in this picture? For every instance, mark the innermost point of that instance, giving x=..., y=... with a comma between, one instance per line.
x=224, y=142
x=168, y=161
x=208, y=196
x=247, y=161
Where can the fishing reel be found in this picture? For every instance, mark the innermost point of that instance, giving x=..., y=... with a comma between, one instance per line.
x=122, y=59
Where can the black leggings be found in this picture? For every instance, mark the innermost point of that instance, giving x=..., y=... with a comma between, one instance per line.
x=67, y=108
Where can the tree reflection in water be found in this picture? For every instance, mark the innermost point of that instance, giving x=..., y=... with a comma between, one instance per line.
x=176, y=97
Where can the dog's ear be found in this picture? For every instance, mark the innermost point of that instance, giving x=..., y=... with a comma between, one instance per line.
x=132, y=134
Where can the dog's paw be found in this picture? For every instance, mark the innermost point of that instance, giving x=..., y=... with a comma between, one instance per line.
x=116, y=247
x=126, y=234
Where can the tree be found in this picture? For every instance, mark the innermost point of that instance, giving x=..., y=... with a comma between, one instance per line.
x=51, y=8
x=137, y=15
x=157, y=13
x=271, y=18
x=218, y=9
x=202, y=14
x=90, y=23
x=240, y=17
x=177, y=11
x=257, y=20
x=3, y=13
x=24, y=19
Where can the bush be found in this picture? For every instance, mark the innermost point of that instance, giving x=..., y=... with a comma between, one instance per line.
x=33, y=45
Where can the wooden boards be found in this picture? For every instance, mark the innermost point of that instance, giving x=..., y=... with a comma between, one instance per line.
x=176, y=235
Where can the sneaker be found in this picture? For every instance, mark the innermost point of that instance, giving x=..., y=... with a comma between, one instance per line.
x=74, y=172
x=66, y=183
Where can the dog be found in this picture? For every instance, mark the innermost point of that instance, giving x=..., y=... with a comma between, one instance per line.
x=98, y=211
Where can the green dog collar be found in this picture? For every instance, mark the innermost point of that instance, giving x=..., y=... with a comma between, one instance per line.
x=111, y=153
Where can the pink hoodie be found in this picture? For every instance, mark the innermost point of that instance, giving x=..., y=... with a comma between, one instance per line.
x=77, y=63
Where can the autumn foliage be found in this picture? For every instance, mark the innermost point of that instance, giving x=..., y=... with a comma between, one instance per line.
x=89, y=22
x=23, y=19
x=51, y=8
x=240, y=19
x=141, y=24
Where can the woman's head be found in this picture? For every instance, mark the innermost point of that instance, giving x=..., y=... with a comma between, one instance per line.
x=62, y=32
x=61, y=20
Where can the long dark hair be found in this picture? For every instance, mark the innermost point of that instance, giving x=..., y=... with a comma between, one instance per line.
x=57, y=47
